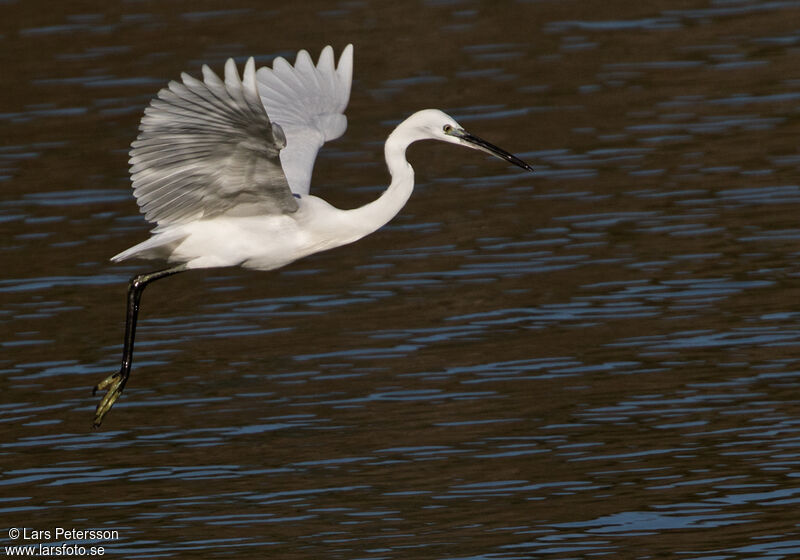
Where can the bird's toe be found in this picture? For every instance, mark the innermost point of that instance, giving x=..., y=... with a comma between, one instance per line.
x=114, y=385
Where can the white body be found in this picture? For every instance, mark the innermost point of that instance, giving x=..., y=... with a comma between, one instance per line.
x=263, y=242
x=257, y=242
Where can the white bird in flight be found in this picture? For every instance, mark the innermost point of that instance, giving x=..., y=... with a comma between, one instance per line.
x=223, y=169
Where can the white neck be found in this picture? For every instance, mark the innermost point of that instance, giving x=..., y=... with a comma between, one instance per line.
x=379, y=212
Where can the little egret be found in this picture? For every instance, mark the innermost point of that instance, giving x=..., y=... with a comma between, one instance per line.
x=223, y=168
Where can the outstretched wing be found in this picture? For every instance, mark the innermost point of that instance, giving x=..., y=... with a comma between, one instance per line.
x=208, y=148
x=308, y=103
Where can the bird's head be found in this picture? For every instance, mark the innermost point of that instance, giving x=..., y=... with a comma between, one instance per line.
x=436, y=125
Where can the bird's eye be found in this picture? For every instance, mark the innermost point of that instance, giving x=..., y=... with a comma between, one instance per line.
x=447, y=128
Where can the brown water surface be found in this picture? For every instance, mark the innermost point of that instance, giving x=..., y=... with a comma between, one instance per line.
x=598, y=360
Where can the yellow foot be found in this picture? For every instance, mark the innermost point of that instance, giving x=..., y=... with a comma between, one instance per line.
x=114, y=383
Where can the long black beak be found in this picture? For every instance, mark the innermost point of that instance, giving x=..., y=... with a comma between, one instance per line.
x=484, y=146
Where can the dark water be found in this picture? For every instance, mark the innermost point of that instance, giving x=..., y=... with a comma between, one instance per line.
x=599, y=360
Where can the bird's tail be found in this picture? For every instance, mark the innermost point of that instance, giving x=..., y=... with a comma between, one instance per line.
x=160, y=246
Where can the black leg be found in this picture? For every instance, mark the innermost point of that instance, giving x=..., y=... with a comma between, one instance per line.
x=115, y=383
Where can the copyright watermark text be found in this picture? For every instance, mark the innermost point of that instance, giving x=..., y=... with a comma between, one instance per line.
x=58, y=541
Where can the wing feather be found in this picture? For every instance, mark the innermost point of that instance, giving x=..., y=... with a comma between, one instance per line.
x=308, y=102
x=207, y=148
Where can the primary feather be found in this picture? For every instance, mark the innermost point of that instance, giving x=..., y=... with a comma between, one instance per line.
x=308, y=102
x=206, y=149
x=210, y=149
